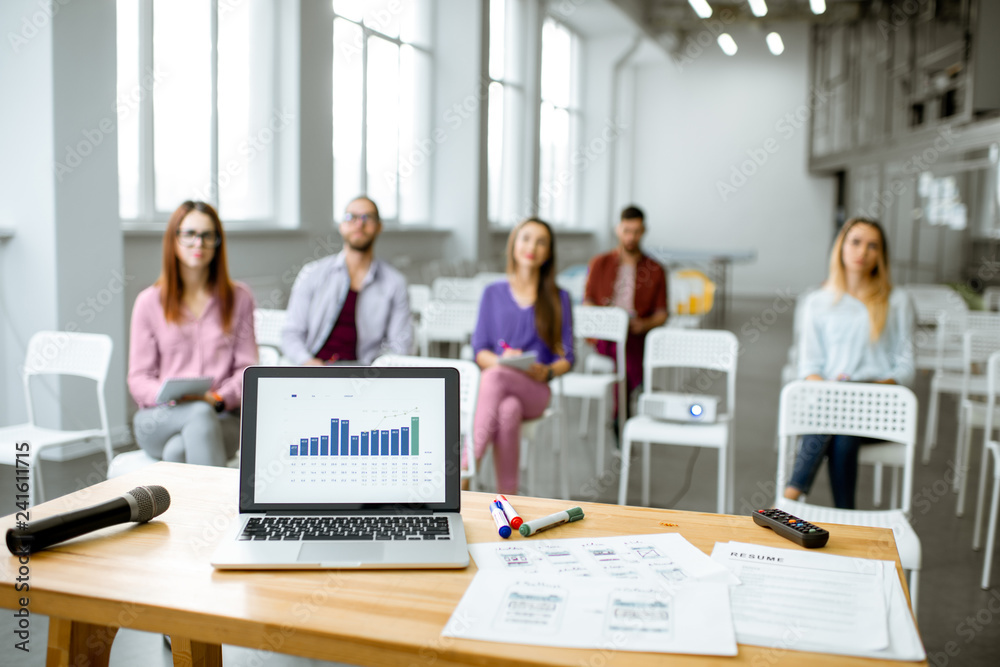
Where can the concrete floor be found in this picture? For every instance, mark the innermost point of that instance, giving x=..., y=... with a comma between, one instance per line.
x=959, y=622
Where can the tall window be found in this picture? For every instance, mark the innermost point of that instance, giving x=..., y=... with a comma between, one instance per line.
x=505, y=118
x=382, y=141
x=195, y=106
x=560, y=115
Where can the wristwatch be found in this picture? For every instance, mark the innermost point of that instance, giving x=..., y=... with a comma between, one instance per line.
x=550, y=374
x=220, y=404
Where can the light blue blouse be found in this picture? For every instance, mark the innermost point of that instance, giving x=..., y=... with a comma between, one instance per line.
x=835, y=339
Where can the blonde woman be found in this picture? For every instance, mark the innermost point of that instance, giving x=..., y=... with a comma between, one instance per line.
x=856, y=328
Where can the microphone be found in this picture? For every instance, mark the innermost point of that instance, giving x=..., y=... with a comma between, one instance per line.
x=140, y=504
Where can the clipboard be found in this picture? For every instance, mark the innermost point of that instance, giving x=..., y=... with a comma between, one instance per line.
x=521, y=362
x=175, y=388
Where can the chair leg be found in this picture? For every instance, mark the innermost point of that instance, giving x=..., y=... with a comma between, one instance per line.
x=991, y=531
x=877, y=487
x=897, y=474
x=930, y=433
x=626, y=454
x=584, y=415
x=977, y=532
x=559, y=429
x=914, y=590
x=720, y=495
x=602, y=433
x=964, y=418
x=963, y=444
x=645, y=473
x=36, y=470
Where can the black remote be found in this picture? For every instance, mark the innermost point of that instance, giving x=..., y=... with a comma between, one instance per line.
x=792, y=528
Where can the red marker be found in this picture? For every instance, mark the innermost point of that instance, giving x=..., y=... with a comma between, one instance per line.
x=510, y=512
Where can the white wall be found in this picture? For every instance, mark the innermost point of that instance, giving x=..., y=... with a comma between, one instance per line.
x=694, y=125
x=64, y=267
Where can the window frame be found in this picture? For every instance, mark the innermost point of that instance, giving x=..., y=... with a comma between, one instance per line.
x=367, y=32
x=151, y=219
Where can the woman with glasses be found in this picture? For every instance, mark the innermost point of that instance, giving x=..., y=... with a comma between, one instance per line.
x=193, y=322
x=526, y=313
x=857, y=328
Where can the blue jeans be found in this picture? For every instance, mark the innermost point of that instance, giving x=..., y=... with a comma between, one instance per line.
x=842, y=451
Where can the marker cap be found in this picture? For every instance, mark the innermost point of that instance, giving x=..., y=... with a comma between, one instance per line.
x=575, y=513
x=504, y=531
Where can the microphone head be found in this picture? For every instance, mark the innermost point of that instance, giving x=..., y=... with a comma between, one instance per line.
x=152, y=501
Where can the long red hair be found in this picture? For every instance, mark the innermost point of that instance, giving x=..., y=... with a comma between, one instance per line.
x=169, y=282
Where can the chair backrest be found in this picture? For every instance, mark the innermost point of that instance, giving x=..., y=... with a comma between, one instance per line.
x=991, y=298
x=977, y=346
x=448, y=321
x=268, y=356
x=992, y=388
x=456, y=289
x=600, y=322
x=468, y=383
x=882, y=411
x=420, y=296
x=709, y=349
x=268, y=323
x=86, y=355
x=930, y=301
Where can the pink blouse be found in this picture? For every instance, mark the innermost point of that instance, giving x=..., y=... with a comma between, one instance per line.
x=198, y=346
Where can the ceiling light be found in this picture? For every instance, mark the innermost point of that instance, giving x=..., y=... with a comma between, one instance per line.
x=818, y=6
x=701, y=8
x=727, y=44
x=758, y=7
x=775, y=44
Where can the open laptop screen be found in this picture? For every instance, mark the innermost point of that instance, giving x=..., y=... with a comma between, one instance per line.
x=348, y=437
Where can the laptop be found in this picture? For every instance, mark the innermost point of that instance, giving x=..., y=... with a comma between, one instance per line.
x=348, y=467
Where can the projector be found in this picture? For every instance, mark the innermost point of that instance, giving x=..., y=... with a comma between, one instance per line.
x=674, y=407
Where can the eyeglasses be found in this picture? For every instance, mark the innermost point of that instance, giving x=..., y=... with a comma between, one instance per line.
x=190, y=238
x=362, y=219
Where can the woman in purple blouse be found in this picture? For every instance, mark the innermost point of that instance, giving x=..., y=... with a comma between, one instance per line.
x=525, y=313
x=194, y=321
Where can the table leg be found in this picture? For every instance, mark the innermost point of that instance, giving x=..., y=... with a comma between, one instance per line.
x=188, y=653
x=77, y=643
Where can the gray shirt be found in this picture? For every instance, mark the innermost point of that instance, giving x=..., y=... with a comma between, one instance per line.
x=319, y=292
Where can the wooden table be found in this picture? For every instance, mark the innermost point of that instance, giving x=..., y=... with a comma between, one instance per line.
x=156, y=577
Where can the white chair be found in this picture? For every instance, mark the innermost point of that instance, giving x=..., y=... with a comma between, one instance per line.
x=553, y=419
x=52, y=353
x=599, y=323
x=468, y=383
x=991, y=299
x=420, y=296
x=447, y=322
x=456, y=289
x=950, y=379
x=931, y=302
x=886, y=412
x=714, y=351
x=267, y=324
x=991, y=453
x=978, y=346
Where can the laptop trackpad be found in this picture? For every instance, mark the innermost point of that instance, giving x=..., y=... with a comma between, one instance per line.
x=351, y=554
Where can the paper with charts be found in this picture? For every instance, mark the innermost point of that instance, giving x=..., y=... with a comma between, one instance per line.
x=667, y=556
x=568, y=611
x=638, y=593
x=808, y=601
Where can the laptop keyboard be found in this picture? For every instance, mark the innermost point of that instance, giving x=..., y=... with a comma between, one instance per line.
x=328, y=528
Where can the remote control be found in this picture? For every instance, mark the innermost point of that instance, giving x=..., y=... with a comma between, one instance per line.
x=792, y=528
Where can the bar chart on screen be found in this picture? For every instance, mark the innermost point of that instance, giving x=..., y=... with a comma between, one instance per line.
x=352, y=441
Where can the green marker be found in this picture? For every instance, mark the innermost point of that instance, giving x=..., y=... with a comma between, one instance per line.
x=529, y=528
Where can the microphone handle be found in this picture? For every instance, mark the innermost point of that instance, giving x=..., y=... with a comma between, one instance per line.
x=43, y=533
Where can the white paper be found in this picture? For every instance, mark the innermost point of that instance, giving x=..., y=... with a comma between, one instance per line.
x=665, y=556
x=811, y=601
x=601, y=612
